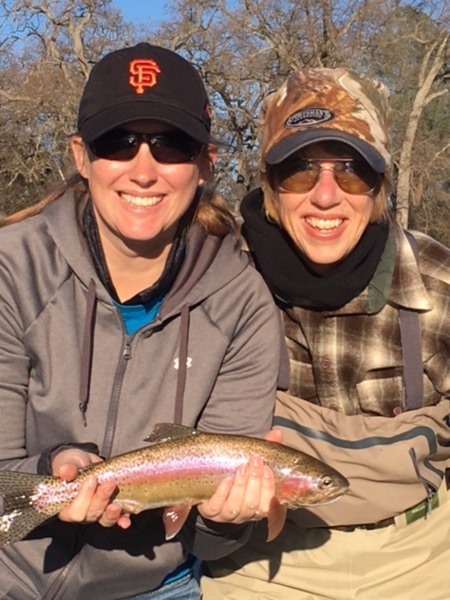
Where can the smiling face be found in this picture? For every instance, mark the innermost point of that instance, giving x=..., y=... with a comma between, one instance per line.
x=139, y=202
x=325, y=222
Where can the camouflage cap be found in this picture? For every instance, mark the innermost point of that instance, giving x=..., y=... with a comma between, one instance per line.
x=315, y=105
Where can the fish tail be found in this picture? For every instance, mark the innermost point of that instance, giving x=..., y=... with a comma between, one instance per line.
x=19, y=514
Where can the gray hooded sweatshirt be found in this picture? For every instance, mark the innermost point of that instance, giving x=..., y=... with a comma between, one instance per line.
x=210, y=360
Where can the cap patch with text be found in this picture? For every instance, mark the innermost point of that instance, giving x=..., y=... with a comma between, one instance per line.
x=309, y=116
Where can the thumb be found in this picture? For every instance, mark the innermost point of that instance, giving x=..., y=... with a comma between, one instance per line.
x=274, y=435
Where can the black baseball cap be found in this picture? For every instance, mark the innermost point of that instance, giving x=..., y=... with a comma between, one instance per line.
x=144, y=82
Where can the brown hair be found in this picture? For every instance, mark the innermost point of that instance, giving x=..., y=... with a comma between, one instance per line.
x=212, y=213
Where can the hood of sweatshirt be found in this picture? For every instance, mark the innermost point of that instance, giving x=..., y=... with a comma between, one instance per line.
x=210, y=264
x=206, y=268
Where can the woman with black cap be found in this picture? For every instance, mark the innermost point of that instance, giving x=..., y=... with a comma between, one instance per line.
x=366, y=312
x=126, y=302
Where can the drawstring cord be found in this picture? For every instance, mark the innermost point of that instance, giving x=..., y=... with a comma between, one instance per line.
x=86, y=350
x=182, y=365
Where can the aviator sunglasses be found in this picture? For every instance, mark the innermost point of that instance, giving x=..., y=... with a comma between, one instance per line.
x=302, y=174
x=170, y=147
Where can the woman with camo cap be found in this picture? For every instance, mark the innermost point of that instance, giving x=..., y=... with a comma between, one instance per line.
x=367, y=323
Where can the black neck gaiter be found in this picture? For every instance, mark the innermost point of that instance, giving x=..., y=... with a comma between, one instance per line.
x=159, y=288
x=287, y=273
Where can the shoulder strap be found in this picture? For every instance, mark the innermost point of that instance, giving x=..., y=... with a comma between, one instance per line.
x=412, y=349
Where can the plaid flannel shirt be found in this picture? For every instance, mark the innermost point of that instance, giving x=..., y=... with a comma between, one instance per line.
x=350, y=360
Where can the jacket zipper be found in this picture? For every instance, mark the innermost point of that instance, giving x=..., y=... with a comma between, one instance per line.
x=115, y=396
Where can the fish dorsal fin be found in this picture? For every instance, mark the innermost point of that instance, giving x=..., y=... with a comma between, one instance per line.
x=164, y=432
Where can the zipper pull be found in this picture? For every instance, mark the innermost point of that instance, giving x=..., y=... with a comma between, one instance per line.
x=127, y=350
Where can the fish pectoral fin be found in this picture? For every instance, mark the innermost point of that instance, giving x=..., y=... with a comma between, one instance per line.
x=129, y=505
x=174, y=517
x=275, y=519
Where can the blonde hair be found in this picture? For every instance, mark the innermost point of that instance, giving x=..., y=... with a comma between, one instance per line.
x=380, y=209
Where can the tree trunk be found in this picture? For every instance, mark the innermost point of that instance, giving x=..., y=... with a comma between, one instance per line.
x=432, y=63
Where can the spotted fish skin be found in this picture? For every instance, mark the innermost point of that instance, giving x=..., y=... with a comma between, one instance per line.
x=180, y=468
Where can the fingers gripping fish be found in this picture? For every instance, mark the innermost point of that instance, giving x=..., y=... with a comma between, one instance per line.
x=179, y=469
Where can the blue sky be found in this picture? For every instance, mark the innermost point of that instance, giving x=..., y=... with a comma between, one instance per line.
x=134, y=9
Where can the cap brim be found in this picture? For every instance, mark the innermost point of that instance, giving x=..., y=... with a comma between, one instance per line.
x=290, y=144
x=117, y=116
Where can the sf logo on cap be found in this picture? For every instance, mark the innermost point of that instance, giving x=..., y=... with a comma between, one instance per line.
x=143, y=73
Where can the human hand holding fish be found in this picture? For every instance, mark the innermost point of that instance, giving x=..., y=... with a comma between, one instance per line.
x=246, y=496
x=183, y=467
x=94, y=500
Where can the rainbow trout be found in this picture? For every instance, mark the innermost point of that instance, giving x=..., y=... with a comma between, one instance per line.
x=181, y=468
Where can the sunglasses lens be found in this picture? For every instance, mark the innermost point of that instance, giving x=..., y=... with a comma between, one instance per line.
x=171, y=147
x=174, y=148
x=355, y=177
x=301, y=175
x=115, y=145
x=297, y=176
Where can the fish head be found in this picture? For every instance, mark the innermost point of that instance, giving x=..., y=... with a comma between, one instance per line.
x=317, y=484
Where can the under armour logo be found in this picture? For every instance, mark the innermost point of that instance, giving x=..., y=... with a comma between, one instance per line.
x=143, y=74
x=176, y=363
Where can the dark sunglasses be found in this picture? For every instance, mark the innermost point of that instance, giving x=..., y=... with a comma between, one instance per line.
x=302, y=174
x=171, y=147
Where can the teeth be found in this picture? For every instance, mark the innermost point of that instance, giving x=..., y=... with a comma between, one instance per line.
x=324, y=224
x=140, y=200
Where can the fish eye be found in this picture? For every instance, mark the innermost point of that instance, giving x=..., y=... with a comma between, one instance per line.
x=326, y=482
